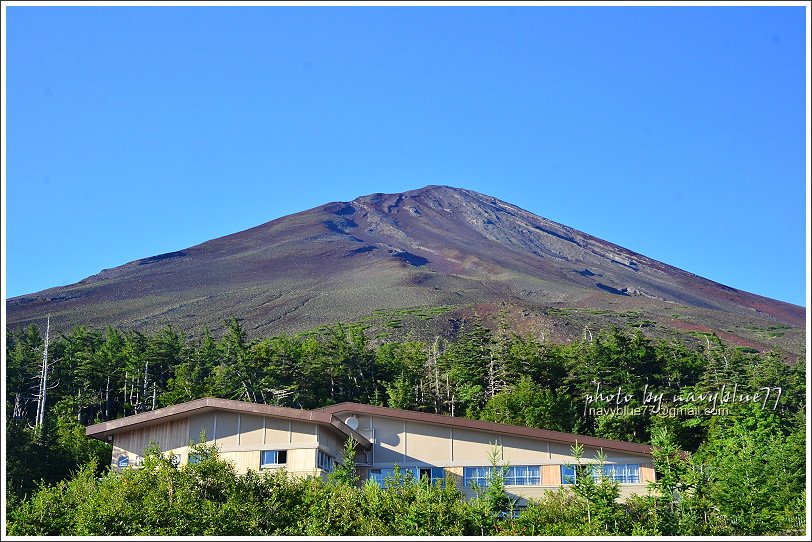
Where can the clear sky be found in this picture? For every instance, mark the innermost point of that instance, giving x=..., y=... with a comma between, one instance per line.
x=675, y=132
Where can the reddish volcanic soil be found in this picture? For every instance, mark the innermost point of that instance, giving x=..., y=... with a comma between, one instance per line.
x=437, y=246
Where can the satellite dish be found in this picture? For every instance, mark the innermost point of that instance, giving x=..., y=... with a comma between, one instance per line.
x=352, y=423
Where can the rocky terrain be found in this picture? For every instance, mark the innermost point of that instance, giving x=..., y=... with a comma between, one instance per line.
x=441, y=253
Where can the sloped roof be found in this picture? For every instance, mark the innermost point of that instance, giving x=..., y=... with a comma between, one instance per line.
x=327, y=416
x=490, y=427
x=100, y=431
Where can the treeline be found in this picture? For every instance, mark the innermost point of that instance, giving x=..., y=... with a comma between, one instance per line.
x=494, y=375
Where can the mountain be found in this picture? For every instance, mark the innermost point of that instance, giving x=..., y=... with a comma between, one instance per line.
x=381, y=254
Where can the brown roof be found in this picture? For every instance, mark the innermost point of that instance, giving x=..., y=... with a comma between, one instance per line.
x=491, y=427
x=162, y=415
x=326, y=416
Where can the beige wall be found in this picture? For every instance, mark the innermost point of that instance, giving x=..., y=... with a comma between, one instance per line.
x=302, y=433
x=301, y=462
x=330, y=442
x=252, y=430
x=201, y=425
x=277, y=431
x=410, y=443
x=389, y=441
x=239, y=438
x=169, y=436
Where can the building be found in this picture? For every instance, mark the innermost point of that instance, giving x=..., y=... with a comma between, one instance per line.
x=309, y=442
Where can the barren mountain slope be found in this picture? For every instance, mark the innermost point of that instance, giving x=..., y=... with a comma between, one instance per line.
x=437, y=246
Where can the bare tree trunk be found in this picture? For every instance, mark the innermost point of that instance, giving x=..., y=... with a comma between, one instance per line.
x=133, y=393
x=491, y=378
x=43, y=388
x=39, y=396
x=154, y=393
x=107, y=399
x=248, y=393
x=146, y=374
x=434, y=349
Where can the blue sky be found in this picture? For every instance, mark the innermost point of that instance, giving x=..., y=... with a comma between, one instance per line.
x=675, y=132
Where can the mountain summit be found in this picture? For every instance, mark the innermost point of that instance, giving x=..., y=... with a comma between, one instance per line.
x=436, y=246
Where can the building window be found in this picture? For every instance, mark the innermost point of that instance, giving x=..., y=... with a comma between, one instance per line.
x=376, y=475
x=123, y=461
x=272, y=458
x=436, y=475
x=380, y=476
x=623, y=473
x=326, y=462
x=522, y=475
x=193, y=458
x=568, y=474
x=514, y=512
x=476, y=475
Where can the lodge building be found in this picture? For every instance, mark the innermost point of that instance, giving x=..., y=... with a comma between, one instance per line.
x=310, y=442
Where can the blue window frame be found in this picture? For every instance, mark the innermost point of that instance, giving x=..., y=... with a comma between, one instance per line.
x=325, y=461
x=435, y=474
x=625, y=473
x=568, y=475
x=521, y=475
x=476, y=476
x=272, y=458
x=123, y=461
x=377, y=476
x=380, y=476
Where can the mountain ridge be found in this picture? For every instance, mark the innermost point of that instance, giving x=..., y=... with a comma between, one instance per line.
x=433, y=246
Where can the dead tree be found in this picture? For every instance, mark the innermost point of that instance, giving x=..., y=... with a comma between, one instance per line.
x=43, y=378
x=146, y=382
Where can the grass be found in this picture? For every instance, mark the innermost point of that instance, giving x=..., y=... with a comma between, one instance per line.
x=701, y=334
x=642, y=323
x=393, y=316
x=769, y=332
